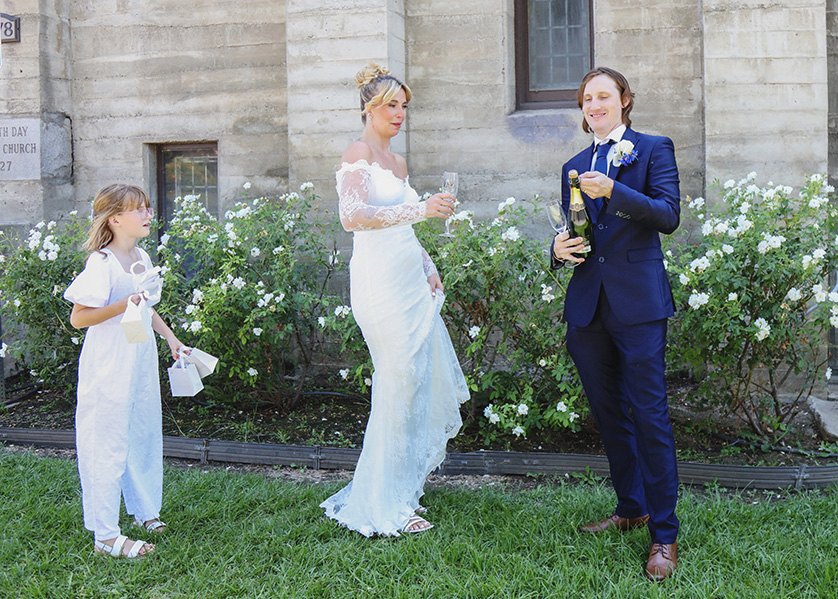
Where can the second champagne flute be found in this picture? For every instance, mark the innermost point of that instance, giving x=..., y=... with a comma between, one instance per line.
x=558, y=220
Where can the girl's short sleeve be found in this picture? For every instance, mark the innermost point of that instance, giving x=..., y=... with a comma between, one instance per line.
x=92, y=287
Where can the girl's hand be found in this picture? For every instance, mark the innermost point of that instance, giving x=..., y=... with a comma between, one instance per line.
x=436, y=284
x=440, y=205
x=175, y=346
x=134, y=297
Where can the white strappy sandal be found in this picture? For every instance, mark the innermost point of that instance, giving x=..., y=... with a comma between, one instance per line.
x=115, y=550
x=154, y=526
x=413, y=521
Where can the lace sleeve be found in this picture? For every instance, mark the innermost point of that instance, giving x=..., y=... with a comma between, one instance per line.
x=356, y=212
x=428, y=264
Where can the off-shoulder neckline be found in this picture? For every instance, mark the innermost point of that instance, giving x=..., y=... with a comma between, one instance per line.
x=363, y=162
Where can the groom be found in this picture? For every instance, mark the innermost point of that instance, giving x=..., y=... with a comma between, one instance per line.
x=617, y=303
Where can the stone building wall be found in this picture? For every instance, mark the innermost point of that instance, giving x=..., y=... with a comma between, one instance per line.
x=147, y=73
x=738, y=86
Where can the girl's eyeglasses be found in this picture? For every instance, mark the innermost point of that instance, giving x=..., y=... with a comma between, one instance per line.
x=141, y=211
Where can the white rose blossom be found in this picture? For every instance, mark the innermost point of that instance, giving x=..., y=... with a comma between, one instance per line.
x=518, y=431
x=820, y=293
x=763, y=328
x=699, y=264
x=546, y=294
x=252, y=371
x=561, y=407
x=698, y=299
x=511, y=234
x=523, y=409
x=257, y=331
x=344, y=373
x=474, y=331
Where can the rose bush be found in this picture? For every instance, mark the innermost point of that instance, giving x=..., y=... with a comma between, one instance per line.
x=253, y=290
x=33, y=276
x=503, y=311
x=752, y=295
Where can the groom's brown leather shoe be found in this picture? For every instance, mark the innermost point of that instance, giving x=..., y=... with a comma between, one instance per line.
x=663, y=559
x=616, y=522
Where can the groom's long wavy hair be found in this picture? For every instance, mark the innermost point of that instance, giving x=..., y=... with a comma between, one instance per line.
x=626, y=95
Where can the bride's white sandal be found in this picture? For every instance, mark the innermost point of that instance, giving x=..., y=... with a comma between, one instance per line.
x=154, y=526
x=116, y=550
x=414, y=522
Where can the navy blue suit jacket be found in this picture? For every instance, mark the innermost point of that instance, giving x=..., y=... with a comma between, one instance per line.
x=628, y=260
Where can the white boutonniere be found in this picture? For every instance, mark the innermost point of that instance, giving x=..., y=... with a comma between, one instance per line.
x=624, y=153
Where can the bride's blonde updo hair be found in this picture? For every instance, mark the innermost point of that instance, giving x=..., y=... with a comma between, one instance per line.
x=377, y=87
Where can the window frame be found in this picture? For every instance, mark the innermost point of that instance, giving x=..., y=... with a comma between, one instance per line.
x=160, y=186
x=525, y=99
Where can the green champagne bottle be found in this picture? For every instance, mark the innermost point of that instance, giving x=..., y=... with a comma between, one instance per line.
x=580, y=222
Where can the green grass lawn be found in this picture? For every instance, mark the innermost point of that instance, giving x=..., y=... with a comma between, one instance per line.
x=245, y=535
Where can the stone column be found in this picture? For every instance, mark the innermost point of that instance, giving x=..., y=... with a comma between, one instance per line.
x=35, y=98
x=765, y=89
x=328, y=41
x=832, y=79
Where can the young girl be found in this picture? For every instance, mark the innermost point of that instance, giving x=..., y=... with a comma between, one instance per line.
x=119, y=437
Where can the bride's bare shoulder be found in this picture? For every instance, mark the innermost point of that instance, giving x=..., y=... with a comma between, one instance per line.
x=358, y=150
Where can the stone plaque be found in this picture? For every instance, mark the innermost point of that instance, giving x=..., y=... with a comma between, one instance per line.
x=20, y=149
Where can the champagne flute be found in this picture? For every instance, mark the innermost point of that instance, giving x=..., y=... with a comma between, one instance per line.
x=449, y=185
x=558, y=220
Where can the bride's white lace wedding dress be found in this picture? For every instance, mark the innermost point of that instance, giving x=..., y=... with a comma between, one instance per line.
x=417, y=385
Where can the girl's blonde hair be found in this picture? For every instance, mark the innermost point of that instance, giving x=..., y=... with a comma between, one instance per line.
x=377, y=87
x=110, y=201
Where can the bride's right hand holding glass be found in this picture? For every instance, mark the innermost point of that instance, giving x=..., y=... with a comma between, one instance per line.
x=440, y=205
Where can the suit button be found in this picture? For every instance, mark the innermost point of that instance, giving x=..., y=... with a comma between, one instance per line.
x=601, y=259
x=600, y=227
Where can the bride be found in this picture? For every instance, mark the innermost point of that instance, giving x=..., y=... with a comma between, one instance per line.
x=396, y=293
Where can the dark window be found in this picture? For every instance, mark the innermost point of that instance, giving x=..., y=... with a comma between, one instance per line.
x=186, y=169
x=553, y=51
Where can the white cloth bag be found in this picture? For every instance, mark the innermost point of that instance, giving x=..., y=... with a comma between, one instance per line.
x=184, y=378
x=136, y=322
x=204, y=362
